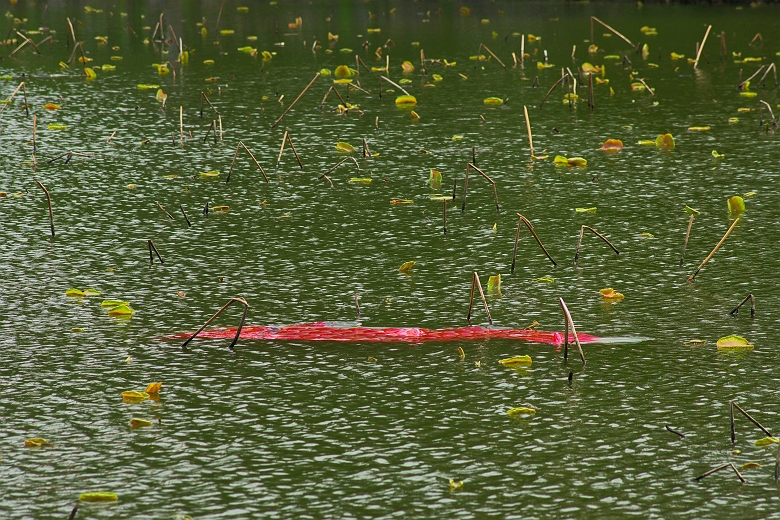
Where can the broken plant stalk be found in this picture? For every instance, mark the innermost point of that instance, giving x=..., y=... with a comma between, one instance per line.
x=693, y=276
x=240, y=325
x=48, y=200
x=317, y=75
x=530, y=227
x=602, y=237
x=476, y=284
x=750, y=297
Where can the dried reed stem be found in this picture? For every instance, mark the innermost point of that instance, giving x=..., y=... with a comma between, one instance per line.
x=685, y=244
x=152, y=247
x=567, y=315
x=701, y=47
x=693, y=276
x=165, y=211
x=317, y=75
x=732, y=405
x=475, y=283
x=483, y=46
x=240, y=325
x=602, y=237
x=594, y=19
x=48, y=201
x=189, y=225
x=750, y=297
x=396, y=85
x=528, y=129
x=530, y=227
x=551, y=89
x=469, y=167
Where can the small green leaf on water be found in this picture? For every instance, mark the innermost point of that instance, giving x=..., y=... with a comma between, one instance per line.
x=749, y=194
x=736, y=206
x=515, y=361
x=734, y=343
x=435, y=179
x=360, y=180
x=405, y=101
x=407, y=266
x=74, y=292
x=494, y=284
x=692, y=211
x=77, y=329
x=698, y=128
x=733, y=120
x=696, y=342
x=577, y=161
x=748, y=94
x=545, y=279
x=647, y=235
x=227, y=32
x=247, y=49
x=717, y=155
x=521, y=410
x=750, y=465
x=132, y=394
x=436, y=77
x=92, y=292
x=493, y=101
x=98, y=496
x=113, y=303
x=665, y=141
x=646, y=142
x=560, y=159
x=139, y=423
x=143, y=86
x=90, y=73
x=220, y=208
x=767, y=441
x=585, y=210
x=36, y=442
x=211, y=173
x=122, y=310
x=344, y=147
x=342, y=71
x=56, y=126
x=325, y=72
x=457, y=137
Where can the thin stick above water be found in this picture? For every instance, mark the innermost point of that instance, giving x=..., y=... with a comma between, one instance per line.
x=750, y=297
x=240, y=325
x=593, y=18
x=687, y=235
x=475, y=283
x=602, y=237
x=396, y=85
x=317, y=75
x=48, y=200
x=528, y=128
x=701, y=47
x=567, y=315
x=733, y=225
x=483, y=46
x=530, y=227
x=470, y=166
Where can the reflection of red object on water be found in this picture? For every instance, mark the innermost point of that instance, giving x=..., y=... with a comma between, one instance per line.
x=322, y=331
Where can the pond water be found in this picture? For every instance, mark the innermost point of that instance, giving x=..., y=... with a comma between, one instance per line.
x=313, y=430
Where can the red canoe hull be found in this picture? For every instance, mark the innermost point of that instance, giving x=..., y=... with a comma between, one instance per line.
x=322, y=331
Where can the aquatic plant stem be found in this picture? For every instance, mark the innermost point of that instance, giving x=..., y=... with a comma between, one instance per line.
x=317, y=75
x=701, y=47
x=530, y=227
x=570, y=321
x=733, y=405
x=750, y=297
x=693, y=276
x=593, y=18
x=396, y=85
x=189, y=225
x=48, y=200
x=152, y=247
x=722, y=466
x=240, y=325
x=475, y=283
x=685, y=244
x=528, y=129
x=470, y=166
x=602, y=237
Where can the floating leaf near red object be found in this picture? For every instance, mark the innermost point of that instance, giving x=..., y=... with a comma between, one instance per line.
x=612, y=145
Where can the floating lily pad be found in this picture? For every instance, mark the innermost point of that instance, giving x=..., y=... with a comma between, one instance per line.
x=545, y=279
x=515, y=361
x=98, y=496
x=692, y=211
x=36, y=442
x=153, y=388
x=736, y=206
x=56, y=126
x=585, y=210
x=577, y=161
x=698, y=128
x=494, y=283
x=521, y=410
x=665, y=141
x=344, y=147
x=610, y=294
x=139, y=423
x=342, y=71
x=407, y=266
x=734, y=343
x=360, y=180
x=131, y=394
x=612, y=145
x=767, y=441
x=405, y=101
x=493, y=101
x=74, y=292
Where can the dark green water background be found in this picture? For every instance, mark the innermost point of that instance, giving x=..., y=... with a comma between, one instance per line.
x=317, y=430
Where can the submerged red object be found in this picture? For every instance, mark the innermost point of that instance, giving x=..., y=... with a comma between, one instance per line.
x=324, y=331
